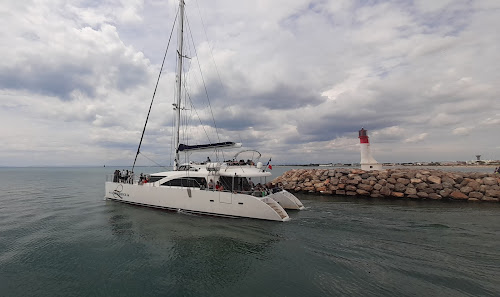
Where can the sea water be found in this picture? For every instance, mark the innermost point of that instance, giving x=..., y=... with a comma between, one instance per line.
x=59, y=237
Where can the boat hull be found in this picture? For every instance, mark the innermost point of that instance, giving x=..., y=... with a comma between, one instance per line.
x=196, y=200
x=287, y=200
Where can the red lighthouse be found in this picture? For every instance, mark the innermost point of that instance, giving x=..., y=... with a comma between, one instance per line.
x=367, y=161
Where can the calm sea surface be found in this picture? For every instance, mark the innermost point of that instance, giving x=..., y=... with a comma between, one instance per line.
x=58, y=237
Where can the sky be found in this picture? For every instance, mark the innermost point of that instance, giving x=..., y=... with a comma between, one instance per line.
x=293, y=79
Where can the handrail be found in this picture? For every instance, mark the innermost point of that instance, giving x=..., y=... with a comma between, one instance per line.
x=243, y=151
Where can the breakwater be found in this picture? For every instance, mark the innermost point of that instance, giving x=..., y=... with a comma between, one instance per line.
x=394, y=183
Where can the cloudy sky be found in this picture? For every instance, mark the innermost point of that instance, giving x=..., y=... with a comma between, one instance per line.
x=294, y=79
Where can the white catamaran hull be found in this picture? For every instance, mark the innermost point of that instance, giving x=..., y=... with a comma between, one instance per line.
x=287, y=200
x=197, y=201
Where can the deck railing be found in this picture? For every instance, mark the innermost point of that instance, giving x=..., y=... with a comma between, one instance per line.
x=196, y=185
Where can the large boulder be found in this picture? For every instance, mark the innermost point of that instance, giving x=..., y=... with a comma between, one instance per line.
x=434, y=179
x=434, y=196
x=421, y=186
x=397, y=175
x=436, y=186
x=466, y=190
x=385, y=191
x=319, y=185
x=351, y=188
x=474, y=185
x=447, y=185
x=422, y=195
x=362, y=192
x=477, y=195
x=445, y=193
x=421, y=176
x=447, y=179
x=403, y=181
x=398, y=194
x=391, y=180
x=458, y=195
x=490, y=181
x=429, y=190
x=399, y=187
x=411, y=191
x=493, y=193
x=364, y=187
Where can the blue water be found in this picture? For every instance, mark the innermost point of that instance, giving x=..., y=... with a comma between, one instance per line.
x=58, y=237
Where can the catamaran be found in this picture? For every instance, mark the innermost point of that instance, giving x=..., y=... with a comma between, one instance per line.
x=219, y=188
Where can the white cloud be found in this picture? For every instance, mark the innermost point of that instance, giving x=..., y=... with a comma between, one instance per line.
x=492, y=120
x=416, y=138
x=299, y=78
x=462, y=131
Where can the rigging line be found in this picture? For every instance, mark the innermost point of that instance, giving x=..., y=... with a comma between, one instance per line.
x=153, y=161
x=154, y=93
x=196, y=112
x=203, y=80
x=213, y=59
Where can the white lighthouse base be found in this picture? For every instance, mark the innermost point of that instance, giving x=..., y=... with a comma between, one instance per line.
x=371, y=166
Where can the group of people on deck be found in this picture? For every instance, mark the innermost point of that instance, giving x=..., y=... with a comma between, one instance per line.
x=143, y=179
x=234, y=162
x=215, y=186
x=127, y=177
x=259, y=190
x=123, y=176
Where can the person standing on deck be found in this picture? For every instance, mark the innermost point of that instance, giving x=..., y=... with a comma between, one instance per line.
x=250, y=183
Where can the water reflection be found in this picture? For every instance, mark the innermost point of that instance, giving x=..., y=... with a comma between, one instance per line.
x=192, y=252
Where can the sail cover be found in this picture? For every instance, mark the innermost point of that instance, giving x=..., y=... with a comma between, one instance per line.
x=210, y=146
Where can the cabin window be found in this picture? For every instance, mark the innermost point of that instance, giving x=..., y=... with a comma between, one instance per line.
x=156, y=178
x=188, y=182
x=240, y=183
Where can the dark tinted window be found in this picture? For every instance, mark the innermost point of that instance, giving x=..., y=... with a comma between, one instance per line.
x=191, y=182
x=240, y=183
x=153, y=179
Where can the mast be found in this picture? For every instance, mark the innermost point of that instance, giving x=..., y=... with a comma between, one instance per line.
x=177, y=105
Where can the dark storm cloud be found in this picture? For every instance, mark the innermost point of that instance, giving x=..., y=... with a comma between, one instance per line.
x=327, y=128
x=280, y=97
x=60, y=80
x=52, y=80
x=235, y=118
x=285, y=97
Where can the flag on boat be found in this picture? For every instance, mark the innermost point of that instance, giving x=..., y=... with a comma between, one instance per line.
x=268, y=165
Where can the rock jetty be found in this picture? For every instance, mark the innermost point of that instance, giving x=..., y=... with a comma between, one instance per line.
x=394, y=183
